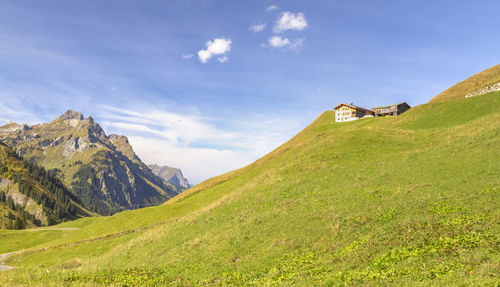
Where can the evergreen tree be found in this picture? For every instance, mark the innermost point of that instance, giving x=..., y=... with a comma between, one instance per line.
x=10, y=203
x=18, y=224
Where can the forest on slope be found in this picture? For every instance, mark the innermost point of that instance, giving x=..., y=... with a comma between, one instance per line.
x=30, y=196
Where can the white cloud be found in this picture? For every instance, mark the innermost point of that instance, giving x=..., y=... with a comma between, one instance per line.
x=187, y=56
x=204, y=55
x=281, y=42
x=256, y=28
x=218, y=46
x=223, y=59
x=290, y=21
x=271, y=8
x=278, y=42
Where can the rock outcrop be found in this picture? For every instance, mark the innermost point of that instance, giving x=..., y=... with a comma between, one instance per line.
x=71, y=115
x=485, y=90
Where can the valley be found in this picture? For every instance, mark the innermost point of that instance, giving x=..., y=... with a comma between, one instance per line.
x=403, y=200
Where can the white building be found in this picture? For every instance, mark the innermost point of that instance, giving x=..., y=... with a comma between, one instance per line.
x=346, y=112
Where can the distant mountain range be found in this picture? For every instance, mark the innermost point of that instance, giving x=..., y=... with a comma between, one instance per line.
x=101, y=170
x=170, y=174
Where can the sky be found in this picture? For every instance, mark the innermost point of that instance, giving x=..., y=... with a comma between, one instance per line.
x=209, y=86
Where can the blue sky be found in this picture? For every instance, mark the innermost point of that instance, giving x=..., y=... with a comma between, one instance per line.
x=209, y=86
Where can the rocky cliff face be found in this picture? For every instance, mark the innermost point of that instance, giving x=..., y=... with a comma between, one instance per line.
x=170, y=174
x=103, y=171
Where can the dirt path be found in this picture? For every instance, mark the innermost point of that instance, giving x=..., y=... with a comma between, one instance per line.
x=5, y=255
x=49, y=228
x=2, y=259
x=109, y=236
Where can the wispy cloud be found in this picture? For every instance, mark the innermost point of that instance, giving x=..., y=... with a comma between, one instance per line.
x=217, y=46
x=196, y=144
x=187, y=56
x=178, y=128
x=15, y=110
x=290, y=21
x=202, y=147
x=256, y=28
x=271, y=8
x=223, y=59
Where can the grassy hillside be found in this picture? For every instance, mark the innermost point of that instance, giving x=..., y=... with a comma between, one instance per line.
x=476, y=82
x=411, y=200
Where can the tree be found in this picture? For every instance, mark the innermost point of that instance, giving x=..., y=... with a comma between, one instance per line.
x=18, y=224
x=2, y=196
x=10, y=203
x=8, y=225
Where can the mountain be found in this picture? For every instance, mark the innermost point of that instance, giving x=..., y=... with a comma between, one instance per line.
x=30, y=196
x=401, y=201
x=102, y=171
x=170, y=174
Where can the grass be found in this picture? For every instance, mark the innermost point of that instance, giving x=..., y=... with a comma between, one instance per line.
x=411, y=200
x=14, y=240
x=476, y=82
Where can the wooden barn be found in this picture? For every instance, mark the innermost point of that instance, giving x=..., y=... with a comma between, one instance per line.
x=350, y=112
x=391, y=110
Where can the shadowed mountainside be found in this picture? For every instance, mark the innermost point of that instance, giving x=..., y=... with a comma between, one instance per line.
x=30, y=196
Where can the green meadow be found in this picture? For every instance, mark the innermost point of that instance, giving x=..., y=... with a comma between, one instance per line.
x=408, y=200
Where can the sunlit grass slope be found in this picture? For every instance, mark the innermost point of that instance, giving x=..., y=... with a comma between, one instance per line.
x=411, y=200
x=476, y=82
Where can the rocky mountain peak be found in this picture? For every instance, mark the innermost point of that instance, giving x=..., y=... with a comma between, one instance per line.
x=95, y=130
x=103, y=170
x=71, y=115
x=116, y=138
x=170, y=174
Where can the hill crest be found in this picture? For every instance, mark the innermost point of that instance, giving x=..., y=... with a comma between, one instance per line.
x=476, y=82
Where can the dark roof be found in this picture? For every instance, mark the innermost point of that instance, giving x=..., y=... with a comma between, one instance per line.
x=352, y=106
x=386, y=106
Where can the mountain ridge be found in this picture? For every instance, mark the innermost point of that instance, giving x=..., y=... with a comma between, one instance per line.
x=102, y=170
